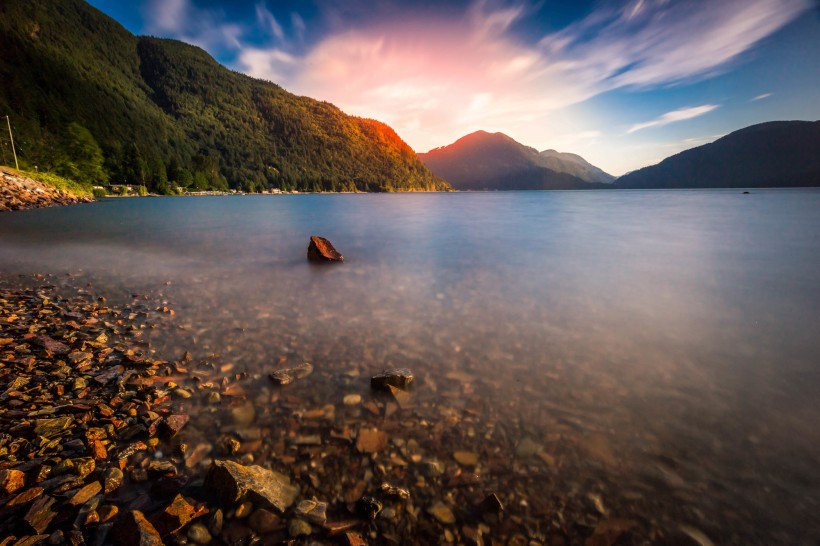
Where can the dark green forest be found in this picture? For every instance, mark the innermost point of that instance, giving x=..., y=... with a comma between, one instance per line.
x=89, y=100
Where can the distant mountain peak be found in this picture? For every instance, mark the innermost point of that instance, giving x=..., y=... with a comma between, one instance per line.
x=484, y=160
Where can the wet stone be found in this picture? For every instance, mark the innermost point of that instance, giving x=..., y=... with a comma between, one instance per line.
x=243, y=510
x=233, y=482
x=215, y=522
x=289, y=375
x=442, y=513
x=371, y=440
x=368, y=507
x=394, y=491
x=321, y=250
x=107, y=512
x=352, y=399
x=491, y=504
x=174, y=423
x=400, y=378
x=298, y=528
x=466, y=458
x=199, y=534
x=85, y=494
x=264, y=521
x=40, y=514
x=26, y=496
x=179, y=513
x=112, y=478
x=84, y=466
x=527, y=448
x=228, y=445
x=52, y=427
x=11, y=480
x=53, y=346
x=243, y=414
x=354, y=539
x=312, y=511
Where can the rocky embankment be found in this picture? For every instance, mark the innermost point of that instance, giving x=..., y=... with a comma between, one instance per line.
x=18, y=192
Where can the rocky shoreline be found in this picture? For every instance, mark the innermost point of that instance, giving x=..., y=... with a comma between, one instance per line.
x=105, y=441
x=18, y=192
x=94, y=450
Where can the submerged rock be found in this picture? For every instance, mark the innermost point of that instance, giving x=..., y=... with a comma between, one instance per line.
x=368, y=507
x=321, y=250
x=312, y=511
x=442, y=513
x=371, y=440
x=298, y=528
x=400, y=378
x=289, y=375
x=233, y=482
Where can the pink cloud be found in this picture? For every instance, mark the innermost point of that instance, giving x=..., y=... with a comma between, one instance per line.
x=434, y=80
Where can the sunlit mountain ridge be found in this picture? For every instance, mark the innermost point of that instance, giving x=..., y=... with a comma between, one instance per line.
x=495, y=161
x=166, y=114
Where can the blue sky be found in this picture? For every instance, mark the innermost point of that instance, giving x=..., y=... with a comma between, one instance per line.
x=622, y=83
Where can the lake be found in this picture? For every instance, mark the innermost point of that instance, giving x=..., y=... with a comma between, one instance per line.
x=649, y=357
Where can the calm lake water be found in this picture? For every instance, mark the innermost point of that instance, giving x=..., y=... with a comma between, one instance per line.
x=660, y=348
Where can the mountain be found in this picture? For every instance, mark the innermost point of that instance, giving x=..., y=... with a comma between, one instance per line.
x=774, y=154
x=494, y=161
x=575, y=165
x=165, y=113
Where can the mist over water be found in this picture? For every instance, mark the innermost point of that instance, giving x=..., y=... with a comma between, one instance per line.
x=671, y=338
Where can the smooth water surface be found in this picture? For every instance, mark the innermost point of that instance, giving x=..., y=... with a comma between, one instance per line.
x=663, y=345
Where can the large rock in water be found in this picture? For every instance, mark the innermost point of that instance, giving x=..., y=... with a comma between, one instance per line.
x=263, y=487
x=400, y=378
x=320, y=250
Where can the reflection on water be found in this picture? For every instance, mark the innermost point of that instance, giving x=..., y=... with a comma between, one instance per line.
x=667, y=340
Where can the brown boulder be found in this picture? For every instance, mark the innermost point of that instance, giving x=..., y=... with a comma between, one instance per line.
x=320, y=250
x=233, y=482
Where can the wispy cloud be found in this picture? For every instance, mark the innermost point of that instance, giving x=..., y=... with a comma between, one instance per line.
x=267, y=21
x=656, y=42
x=672, y=117
x=761, y=97
x=434, y=79
x=434, y=75
x=208, y=28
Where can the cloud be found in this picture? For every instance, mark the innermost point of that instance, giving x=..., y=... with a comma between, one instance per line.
x=209, y=29
x=435, y=78
x=761, y=97
x=167, y=15
x=657, y=42
x=672, y=117
x=267, y=21
x=181, y=19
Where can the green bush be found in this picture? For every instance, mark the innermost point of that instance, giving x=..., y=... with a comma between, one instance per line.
x=99, y=192
x=59, y=182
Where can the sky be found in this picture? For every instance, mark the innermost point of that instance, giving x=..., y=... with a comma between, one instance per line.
x=623, y=83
